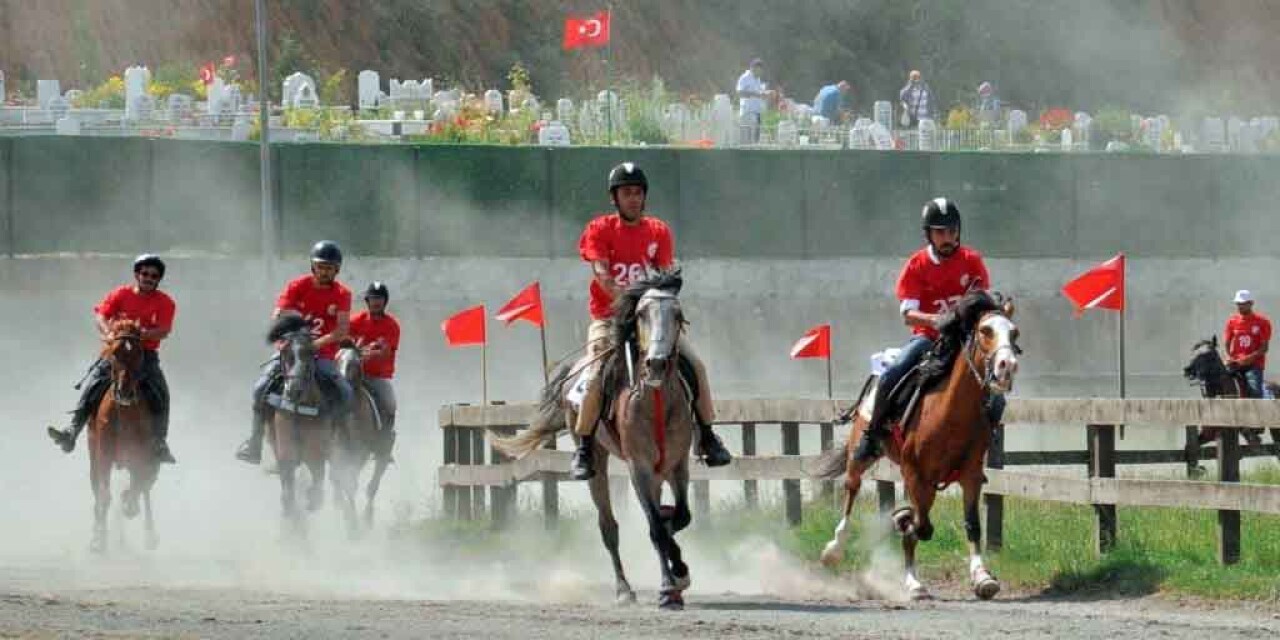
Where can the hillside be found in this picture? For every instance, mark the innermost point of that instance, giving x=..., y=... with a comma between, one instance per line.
x=1165, y=55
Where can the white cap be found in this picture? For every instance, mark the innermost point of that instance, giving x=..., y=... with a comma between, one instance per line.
x=1243, y=296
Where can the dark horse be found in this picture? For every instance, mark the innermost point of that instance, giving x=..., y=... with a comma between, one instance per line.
x=120, y=435
x=648, y=424
x=944, y=441
x=300, y=430
x=1216, y=380
x=361, y=441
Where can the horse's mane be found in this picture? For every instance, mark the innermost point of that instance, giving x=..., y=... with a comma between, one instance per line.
x=970, y=310
x=622, y=325
x=285, y=325
x=1209, y=343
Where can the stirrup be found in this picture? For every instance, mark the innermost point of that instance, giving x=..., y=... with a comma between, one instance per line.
x=248, y=453
x=583, y=465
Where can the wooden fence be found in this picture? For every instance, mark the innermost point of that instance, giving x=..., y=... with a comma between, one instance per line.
x=465, y=477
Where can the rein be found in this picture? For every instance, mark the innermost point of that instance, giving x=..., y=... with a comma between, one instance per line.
x=988, y=374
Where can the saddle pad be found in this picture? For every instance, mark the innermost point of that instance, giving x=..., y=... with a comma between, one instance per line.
x=579, y=389
x=882, y=360
x=868, y=403
x=278, y=401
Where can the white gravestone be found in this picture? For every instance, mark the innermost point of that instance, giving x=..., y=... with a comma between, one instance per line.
x=58, y=107
x=882, y=112
x=724, y=124
x=47, y=90
x=493, y=102
x=2, y=93
x=882, y=137
x=67, y=126
x=788, y=134
x=305, y=98
x=142, y=108
x=927, y=132
x=292, y=84
x=136, y=80
x=179, y=106
x=1213, y=135
x=553, y=134
x=368, y=86
x=860, y=134
x=1017, y=121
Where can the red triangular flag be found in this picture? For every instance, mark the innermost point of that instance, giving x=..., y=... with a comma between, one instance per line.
x=815, y=343
x=1101, y=287
x=592, y=31
x=465, y=327
x=527, y=306
x=207, y=73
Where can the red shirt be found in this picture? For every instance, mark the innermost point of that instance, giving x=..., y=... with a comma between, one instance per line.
x=633, y=252
x=936, y=284
x=154, y=310
x=1244, y=335
x=368, y=329
x=318, y=305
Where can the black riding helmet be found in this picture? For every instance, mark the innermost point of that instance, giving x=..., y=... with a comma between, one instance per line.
x=940, y=213
x=149, y=260
x=627, y=174
x=377, y=289
x=326, y=251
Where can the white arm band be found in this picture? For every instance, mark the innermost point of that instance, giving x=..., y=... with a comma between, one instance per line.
x=909, y=305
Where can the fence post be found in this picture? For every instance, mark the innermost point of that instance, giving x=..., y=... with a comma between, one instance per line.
x=1192, y=447
x=477, y=458
x=464, y=457
x=1228, y=471
x=995, y=502
x=791, y=488
x=886, y=496
x=749, y=488
x=502, y=498
x=451, y=492
x=1102, y=464
x=826, y=439
x=550, y=497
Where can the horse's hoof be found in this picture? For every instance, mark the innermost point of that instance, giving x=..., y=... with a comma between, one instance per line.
x=831, y=555
x=986, y=589
x=671, y=601
x=918, y=594
x=903, y=521
x=683, y=582
x=625, y=598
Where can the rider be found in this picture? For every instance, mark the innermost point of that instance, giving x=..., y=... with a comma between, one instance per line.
x=326, y=304
x=1247, y=336
x=932, y=281
x=625, y=247
x=377, y=333
x=153, y=310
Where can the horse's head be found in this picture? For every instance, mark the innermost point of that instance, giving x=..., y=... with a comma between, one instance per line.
x=649, y=314
x=1206, y=366
x=298, y=355
x=994, y=339
x=350, y=363
x=124, y=351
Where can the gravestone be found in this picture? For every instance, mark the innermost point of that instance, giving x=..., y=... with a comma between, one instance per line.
x=2, y=93
x=241, y=128
x=179, y=106
x=675, y=121
x=882, y=113
x=530, y=104
x=588, y=119
x=553, y=134
x=788, y=134
x=927, y=132
x=493, y=102
x=860, y=134
x=1017, y=121
x=1213, y=135
x=564, y=110
x=67, y=126
x=1234, y=124
x=724, y=123
x=306, y=98
x=881, y=137
x=136, y=80
x=58, y=107
x=368, y=88
x=47, y=90
x=292, y=85
x=73, y=96
x=142, y=108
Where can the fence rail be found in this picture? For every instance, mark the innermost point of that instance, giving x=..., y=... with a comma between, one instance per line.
x=465, y=476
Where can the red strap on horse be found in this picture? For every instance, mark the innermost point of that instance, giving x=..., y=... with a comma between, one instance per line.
x=659, y=429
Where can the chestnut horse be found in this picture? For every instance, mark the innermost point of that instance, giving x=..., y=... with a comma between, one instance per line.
x=649, y=425
x=944, y=441
x=120, y=436
x=353, y=449
x=300, y=429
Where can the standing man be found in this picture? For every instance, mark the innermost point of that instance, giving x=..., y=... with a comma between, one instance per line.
x=932, y=281
x=325, y=304
x=751, y=90
x=1247, y=336
x=377, y=333
x=153, y=310
x=916, y=99
x=625, y=247
x=832, y=100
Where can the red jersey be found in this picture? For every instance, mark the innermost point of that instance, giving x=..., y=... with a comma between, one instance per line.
x=367, y=329
x=1244, y=335
x=154, y=310
x=318, y=305
x=633, y=252
x=933, y=284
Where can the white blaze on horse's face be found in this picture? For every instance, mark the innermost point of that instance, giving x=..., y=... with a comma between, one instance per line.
x=658, y=330
x=1000, y=335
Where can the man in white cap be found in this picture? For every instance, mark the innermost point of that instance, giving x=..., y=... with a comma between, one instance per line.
x=1247, y=335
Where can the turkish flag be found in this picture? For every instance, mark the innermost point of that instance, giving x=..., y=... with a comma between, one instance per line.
x=465, y=327
x=815, y=343
x=527, y=306
x=1100, y=287
x=207, y=73
x=592, y=31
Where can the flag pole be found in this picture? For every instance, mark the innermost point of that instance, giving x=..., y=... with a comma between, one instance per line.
x=608, y=77
x=546, y=370
x=1120, y=342
x=484, y=373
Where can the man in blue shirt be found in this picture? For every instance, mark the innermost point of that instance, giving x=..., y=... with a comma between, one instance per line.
x=830, y=99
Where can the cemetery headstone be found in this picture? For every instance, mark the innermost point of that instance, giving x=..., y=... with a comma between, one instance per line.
x=294, y=83
x=882, y=112
x=493, y=102
x=47, y=90
x=1017, y=121
x=368, y=86
x=136, y=80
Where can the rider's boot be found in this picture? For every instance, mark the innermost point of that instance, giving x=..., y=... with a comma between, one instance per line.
x=160, y=446
x=250, y=450
x=386, y=441
x=871, y=445
x=66, y=437
x=583, y=465
x=712, y=450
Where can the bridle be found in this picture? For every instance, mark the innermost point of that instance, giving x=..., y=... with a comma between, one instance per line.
x=987, y=375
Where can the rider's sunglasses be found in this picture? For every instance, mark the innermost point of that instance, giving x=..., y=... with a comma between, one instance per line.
x=149, y=274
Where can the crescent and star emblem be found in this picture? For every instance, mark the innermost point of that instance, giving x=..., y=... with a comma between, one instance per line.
x=591, y=28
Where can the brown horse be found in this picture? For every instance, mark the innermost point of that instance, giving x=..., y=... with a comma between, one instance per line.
x=120, y=436
x=945, y=441
x=353, y=449
x=649, y=425
x=299, y=430
x=1208, y=370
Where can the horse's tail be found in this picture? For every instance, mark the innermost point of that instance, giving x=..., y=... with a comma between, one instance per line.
x=549, y=421
x=831, y=464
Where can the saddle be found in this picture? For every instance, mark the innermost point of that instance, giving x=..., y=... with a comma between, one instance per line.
x=688, y=376
x=274, y=397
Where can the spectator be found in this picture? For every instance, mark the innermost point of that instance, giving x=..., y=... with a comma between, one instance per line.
x=751, y=92
x=832, y=101
x=916, y=99
x=988, y=110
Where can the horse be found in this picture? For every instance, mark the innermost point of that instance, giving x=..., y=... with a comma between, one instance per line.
x=1207, y=369
x=120, y=436
x=648, y=423
x=944, y=441
x=299, y=430
x=353, y=448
